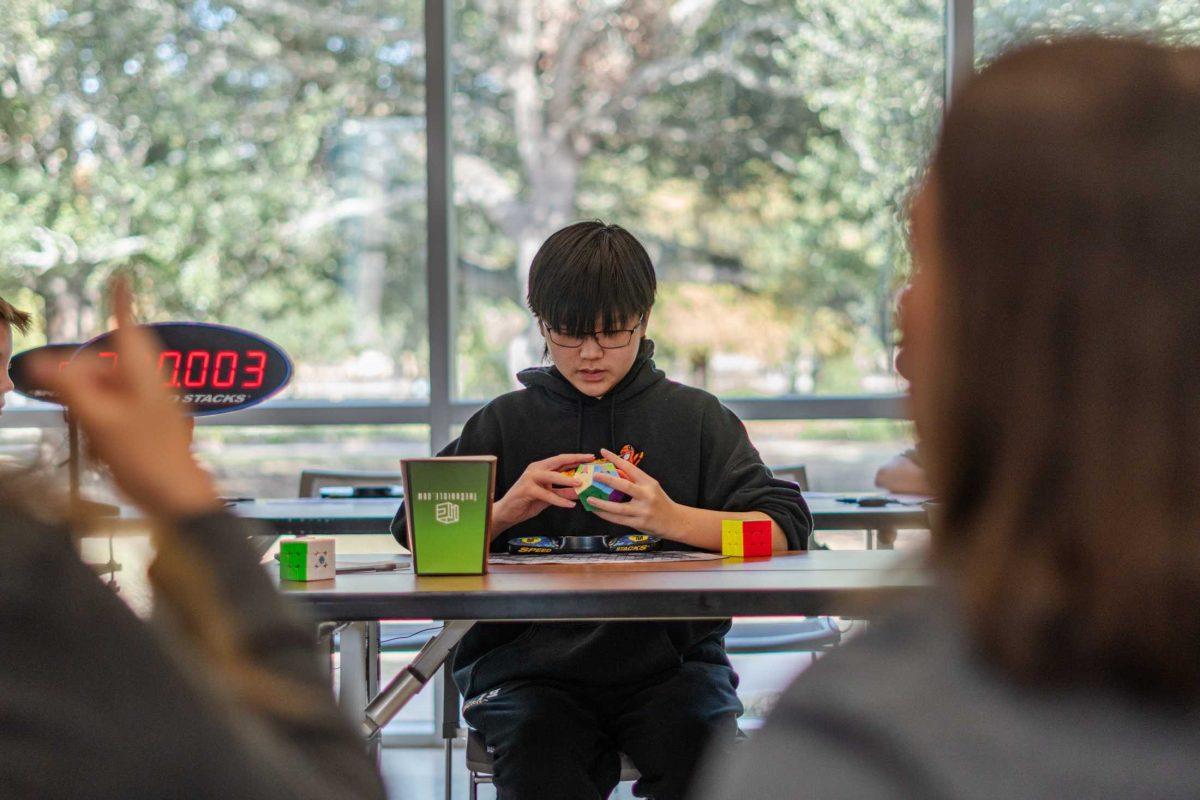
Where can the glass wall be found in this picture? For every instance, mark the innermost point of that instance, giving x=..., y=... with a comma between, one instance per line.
x=761, y=151
x=837, y=455
x=266, y=461
x=264, y=165
x=1000, y=23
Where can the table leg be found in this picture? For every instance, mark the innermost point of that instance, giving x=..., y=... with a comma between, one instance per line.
x=412, y=678
x=325, y=634
x=358, y=680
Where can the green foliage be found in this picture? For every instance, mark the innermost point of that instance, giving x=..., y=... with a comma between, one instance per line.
x=191, y=142
x=762, y=145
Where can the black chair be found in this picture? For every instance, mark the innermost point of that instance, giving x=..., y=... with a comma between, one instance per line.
x=311, y=480
x=808, y=635
x=796, y=473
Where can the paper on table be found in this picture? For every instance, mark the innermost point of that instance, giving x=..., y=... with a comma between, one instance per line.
x=368, y=566
x=604, y=558
x=898, y=499
x=358, y=564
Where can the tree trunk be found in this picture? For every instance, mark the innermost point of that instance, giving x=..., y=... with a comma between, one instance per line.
x=550, y=166
x=64, y=310
x=371, y=263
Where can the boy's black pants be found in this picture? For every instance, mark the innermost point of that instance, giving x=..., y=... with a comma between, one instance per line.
x=555, y=741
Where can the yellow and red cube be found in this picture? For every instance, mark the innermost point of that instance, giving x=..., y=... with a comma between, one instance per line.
x=745, y=538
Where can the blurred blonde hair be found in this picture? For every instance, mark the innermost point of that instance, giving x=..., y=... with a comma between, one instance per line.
x=14, y=316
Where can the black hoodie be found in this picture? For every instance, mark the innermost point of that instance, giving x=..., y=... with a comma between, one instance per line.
x=698, y=451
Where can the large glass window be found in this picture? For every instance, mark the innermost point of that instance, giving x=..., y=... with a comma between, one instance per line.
x=266, y=461
x=837, y=455
x=760, y=150
x=1001, y=23
x=257, y=164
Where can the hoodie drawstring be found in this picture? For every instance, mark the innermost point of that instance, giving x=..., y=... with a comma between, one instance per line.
x=579, y=425
x=642, y=375
x=612, y=425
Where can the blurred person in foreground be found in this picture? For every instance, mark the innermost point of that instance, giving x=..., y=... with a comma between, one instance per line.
x=223, y=697
x=1054, y=335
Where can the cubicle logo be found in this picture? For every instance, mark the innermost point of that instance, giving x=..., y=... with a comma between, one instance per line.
x=446, y=513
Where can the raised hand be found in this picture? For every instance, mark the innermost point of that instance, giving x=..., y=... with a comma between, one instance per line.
x=132, y=422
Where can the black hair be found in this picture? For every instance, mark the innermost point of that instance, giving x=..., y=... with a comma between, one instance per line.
x=588, y=271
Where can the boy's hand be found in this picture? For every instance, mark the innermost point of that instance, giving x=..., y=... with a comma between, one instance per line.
x=131, y=421
x=541, y=485
x=649, y=509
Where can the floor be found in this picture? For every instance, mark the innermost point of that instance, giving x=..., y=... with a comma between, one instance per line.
x=417, y=773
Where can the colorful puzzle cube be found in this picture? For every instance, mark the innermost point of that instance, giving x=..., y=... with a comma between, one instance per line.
x=306, y=559
x=745, y=538
x=590, y=488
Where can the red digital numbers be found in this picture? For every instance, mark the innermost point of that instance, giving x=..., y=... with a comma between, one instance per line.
x=258, y=369
x=194, y=378
x=196, y=369
x=172, y=359
x=230, y=360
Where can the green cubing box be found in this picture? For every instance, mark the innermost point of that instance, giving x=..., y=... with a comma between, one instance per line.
x=306, y=559
x=448, y=511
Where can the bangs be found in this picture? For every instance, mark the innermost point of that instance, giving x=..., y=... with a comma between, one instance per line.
x=591, y=272
x=593, y=295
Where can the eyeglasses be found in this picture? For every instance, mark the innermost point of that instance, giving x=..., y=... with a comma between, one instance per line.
x=609, y=340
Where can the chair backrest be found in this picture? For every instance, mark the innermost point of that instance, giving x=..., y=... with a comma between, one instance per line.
x=311, y=480
x=807, y=635
x=796, y=473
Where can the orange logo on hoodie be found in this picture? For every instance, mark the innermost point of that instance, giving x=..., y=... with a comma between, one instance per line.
x=632, y=456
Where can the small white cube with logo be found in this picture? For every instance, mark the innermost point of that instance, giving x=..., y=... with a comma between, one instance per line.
x=307, y=558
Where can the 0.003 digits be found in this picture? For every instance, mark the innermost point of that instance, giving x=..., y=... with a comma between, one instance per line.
x=204, y=369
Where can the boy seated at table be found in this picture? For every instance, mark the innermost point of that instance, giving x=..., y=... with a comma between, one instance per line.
x=558, y=702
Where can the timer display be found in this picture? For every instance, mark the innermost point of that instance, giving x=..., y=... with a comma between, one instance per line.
x=204, y=369
x=212, y=368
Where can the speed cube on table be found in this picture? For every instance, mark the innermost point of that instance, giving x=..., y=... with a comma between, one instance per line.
x=745, y=538
x=307, y=559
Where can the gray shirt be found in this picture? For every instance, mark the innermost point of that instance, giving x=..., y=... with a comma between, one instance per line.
x=94, y=703
x=909, y=710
